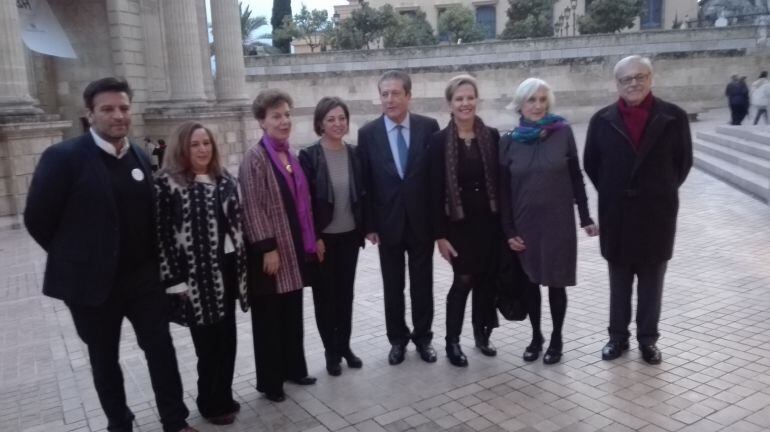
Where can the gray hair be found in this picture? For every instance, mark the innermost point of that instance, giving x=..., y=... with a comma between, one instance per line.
x=529, y=87
x=633, y=59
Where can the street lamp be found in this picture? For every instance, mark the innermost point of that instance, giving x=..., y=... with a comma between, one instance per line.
x=336, y=19
x=561, y=25
x=566, y=20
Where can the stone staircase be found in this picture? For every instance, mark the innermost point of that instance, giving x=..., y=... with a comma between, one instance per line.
x=738, y=155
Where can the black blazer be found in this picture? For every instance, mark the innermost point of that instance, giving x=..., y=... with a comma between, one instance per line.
x=71, y=213
x=638, y=191
x=317, y=172
x=392, y=202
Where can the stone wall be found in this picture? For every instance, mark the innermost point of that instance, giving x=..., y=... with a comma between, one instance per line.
x=22, y=140
x=692, y=69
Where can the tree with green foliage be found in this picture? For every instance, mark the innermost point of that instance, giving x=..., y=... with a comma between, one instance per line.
x=364, y=26
x=410, y=30
x=459, y=24
x=609, y=16
x=310, y=26
x=281, y=8
x=529, y=19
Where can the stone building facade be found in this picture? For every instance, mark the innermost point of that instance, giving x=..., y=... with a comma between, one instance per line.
x=160, y=46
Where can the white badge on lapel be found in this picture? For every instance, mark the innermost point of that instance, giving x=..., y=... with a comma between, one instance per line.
x=137, y=174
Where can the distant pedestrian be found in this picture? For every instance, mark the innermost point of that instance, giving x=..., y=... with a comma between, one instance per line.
x=91, y=207
x=738, y=99
x=760, y=96
x=160, y=152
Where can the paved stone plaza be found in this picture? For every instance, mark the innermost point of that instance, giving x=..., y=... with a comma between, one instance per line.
x=715, y=340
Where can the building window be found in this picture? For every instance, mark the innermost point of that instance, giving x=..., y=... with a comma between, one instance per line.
x=442, y=37
x=652, y=14
x=485, y=17
x=408, y=13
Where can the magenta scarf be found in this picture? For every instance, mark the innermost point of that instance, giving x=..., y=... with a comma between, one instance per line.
x=298, y=187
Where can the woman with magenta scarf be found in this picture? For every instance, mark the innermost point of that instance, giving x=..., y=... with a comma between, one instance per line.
x=281, y=244
x=541, y=183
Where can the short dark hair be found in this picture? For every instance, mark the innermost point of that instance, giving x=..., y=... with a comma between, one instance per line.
x=267, y=99
x=326, y=104
x=108, y=84
x=763, y=74
x=396, y=74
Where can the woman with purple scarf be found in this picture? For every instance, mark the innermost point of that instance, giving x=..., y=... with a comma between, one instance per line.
x=281, y=245
x=541, y=183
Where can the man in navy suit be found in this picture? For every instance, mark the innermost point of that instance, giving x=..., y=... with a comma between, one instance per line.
x=91, y=207
x=394, y=155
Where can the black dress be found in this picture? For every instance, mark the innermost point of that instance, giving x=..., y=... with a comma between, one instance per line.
x=476, y=237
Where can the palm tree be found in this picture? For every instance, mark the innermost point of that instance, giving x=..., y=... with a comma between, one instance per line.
x=249, y=23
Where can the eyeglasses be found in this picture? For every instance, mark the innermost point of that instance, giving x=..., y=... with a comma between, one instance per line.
x=627, y=80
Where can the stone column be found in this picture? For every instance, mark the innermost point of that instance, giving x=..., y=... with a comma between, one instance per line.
x=231, y=73
x=14, y=84
x=180, y=22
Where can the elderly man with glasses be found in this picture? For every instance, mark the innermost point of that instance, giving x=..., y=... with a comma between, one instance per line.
x=638, y=152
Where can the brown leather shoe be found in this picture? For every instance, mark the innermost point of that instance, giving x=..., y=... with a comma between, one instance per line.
x=222, y=420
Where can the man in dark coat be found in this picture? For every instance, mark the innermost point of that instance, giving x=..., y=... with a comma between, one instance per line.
x=91, y=208
x=737, y=93
x=394, y=158
x=638, y=152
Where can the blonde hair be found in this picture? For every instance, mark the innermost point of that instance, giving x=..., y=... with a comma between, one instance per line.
x=529, y=87
x=456, y=82
x=176, y=161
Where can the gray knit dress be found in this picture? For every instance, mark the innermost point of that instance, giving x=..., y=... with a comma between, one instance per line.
x=541, y=182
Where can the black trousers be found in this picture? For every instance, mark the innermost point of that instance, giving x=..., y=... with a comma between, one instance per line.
x=144, y=303
x=762, y=111
x=276, y=321
x=216, y=345
x=333, y=291
x=649, y=292
x=737, y=113
x=392, y=265
x=483, y=313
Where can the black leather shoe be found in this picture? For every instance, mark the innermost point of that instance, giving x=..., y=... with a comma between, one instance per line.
x=396, y=355
x=275, y=397
x=353, y=360
x=481, y=338
x=455, y=354
x=651, y=354
x=306, y=380
x=614, y=349
x=552, y=356
x=532, y=352
x=427, y=353
x=221, y=420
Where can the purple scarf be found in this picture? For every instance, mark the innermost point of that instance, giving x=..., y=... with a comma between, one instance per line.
x=298, y=187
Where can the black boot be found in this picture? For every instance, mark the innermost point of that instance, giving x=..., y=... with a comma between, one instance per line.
x=481, y=335
x=455, y=354
x=333, y=364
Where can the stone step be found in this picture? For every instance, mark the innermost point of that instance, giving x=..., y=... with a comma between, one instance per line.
x=758, y=134
x=749, y=147
x=744, y=180
x=760, y=166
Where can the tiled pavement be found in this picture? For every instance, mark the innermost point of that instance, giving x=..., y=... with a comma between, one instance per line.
x=715, y=339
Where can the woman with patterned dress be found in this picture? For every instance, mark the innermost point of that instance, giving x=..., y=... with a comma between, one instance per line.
x=541, y=183
x=465, y=212
x=281, y=244
x=203, y=260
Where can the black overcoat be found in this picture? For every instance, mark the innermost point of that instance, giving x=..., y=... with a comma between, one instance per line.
x=638, y=191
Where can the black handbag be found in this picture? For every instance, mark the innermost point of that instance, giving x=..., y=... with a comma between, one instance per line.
x=510, y=299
